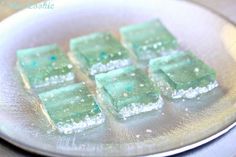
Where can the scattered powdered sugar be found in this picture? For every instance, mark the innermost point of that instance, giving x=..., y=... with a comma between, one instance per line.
x=196, y=70
x=88, y=122
x=69, y=66
x=141, y=85
x=56, y=79
x=125, y=94
x=136, y=108
x=99, y=67
x=132, y=74
x=148, y=130
x=192, y=93
x=137, y=136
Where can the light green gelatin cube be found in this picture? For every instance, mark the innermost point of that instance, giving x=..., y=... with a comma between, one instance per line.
x=128, y=91
x=99, y=52
x=45, y=67
x=182, y=75
x=72, y=108
x=149, y=39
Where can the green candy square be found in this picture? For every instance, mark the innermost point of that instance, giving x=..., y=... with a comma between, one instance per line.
x=99, y=52
x=128, y=91
x=149, y=39
x=182, y=75
x=45, y=67
x=72, y=108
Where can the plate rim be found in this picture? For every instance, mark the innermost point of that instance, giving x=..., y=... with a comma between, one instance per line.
x=40, y=151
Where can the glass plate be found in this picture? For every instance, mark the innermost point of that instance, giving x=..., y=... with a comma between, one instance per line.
x=179, y=126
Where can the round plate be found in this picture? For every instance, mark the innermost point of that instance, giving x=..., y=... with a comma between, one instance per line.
x=179, y=126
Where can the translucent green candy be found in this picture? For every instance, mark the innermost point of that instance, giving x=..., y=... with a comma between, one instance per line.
x=45, y=67
x=99, y=52
x=128, y=91
x=148, y=40
x=182, y=75
x=72, y=108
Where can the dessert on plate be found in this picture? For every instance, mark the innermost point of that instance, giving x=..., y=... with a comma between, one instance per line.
x=128, y=91
x=182, y=75
x=72, y=108
x=148, y=39
x=45, y=67
x=98, y=53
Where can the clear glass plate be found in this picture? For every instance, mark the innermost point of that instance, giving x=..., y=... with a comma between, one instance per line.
x=179, y=126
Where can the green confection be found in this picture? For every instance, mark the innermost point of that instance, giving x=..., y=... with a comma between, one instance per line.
x=72, y=108
x=182, y=75
x=99, y=52
x=149, y=39
x=128, y=91
x=45, y=67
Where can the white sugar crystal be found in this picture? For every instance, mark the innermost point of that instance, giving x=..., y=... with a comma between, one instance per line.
x=125, y=94
x=196, y=70
x=82, y=100
x=88, y=122
x=69, y=66
x=56, y=80
x=141, y=85
x=136, y=108
x=148, y=131
x=100, y=68
x=192, y=93
x=155, y=46
x=119, y=53
x=144, y=48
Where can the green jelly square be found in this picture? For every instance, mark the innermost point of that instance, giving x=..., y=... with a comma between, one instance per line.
x=182, y=75
x=149, y=39
x=45, y=67
x=99, y=52
x=72, y=108
x=128, y=91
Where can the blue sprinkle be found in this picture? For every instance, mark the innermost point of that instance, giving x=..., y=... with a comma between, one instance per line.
x=129, y=88
x=34, y=63
x=53, y=58
x=103, y=55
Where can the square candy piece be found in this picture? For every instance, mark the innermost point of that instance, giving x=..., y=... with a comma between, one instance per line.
x=99, y=52
x=182, y=75
x=149, y=39
x=44, y=67
x=128, y=91
x=71, y=108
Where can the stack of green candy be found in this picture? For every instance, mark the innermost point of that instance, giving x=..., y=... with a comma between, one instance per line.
x=182, y=75
x=148, y=40
x=99, y=52
x=68, y=105
x=128, y=91
x=72, y=108
x=45, y=67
